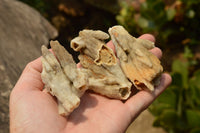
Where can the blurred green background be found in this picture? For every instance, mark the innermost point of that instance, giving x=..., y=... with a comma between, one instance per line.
x=174, y=23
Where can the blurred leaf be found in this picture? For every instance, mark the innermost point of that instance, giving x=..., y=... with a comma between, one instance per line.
x=195, y=130
x=167, y=100
x=181, y=68
x=193, y=118
x=171, y=12
x=195, y=80
x=177, y=79
x=168, y=97
x=197, y=75
x=156, y=122
x=191, y=2
x=167, y=119
x=195, y=87
x=143, y=22
x=188, y=52
x=191, y=14
x=175, y=24
x=157, y=108
x=40, y=5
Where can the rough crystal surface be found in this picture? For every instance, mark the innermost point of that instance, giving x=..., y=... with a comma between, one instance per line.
x=101, y=70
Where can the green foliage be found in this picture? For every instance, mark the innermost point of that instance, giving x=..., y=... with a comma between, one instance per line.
x=39, y=5
x=126, y=16
x=178, y=109
x=172, y=24
x=177, y=23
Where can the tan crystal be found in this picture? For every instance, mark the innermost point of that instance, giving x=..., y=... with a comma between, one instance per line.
x=139, y=65
x=101, y=71
x=104, y=72
x=62, y=78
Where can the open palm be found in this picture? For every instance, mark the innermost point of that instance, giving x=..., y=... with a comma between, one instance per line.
x=32, y=109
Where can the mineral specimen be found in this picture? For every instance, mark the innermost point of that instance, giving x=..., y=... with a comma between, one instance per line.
x=104, y=72
x=101, y=70
x=63, y=79
x=139, y=65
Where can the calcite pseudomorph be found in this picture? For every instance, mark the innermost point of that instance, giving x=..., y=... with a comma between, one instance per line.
x=102, y=71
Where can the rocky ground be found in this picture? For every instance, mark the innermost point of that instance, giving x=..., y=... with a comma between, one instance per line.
x=19, y=44
x=143, y=124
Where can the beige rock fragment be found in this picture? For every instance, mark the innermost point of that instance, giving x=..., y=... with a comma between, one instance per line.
x=91, y=43
x=100, y=71
x=62, y=78
x=74, y=74
x=139, y=65
x=99, y=61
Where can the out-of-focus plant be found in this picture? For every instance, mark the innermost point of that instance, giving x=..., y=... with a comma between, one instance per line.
x=175, y=22
x=37, y=4
x=177, y=110
x=41, y=5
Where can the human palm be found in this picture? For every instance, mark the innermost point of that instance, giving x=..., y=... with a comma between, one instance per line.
x=32, y=109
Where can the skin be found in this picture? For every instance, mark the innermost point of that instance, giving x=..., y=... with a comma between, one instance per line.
x=33, y=110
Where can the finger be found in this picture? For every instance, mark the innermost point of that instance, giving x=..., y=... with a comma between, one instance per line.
x=157, y=52
x=78, y=65
x=111, y=45
x=148, y=37
x=143, y=99
x=31, y=77
x=35, y=64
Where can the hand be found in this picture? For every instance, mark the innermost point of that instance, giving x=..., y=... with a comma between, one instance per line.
x=33, y=110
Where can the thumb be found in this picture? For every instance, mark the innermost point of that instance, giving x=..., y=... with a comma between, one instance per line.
x=143, y=99
x=30, y=78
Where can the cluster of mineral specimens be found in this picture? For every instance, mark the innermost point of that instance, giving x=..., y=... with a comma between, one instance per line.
x=101, y=71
